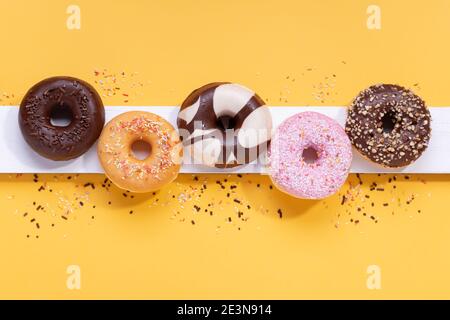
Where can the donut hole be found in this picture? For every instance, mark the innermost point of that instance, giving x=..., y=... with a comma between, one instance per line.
x=141, y=149
x=310, y=155
x=61, y=115
x=225, y=122
x=388, y=122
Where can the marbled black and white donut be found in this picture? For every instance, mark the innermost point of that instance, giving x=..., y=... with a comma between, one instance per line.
x=224, y=125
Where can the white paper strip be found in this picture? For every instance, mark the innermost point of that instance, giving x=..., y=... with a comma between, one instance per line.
x=18, y=157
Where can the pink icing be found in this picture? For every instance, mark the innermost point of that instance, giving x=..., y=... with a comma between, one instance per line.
x=288, y=169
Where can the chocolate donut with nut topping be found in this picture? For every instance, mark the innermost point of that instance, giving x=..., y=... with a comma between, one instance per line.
x=389, y=125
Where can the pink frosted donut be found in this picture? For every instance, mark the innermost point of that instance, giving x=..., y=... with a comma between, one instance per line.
x=310, y=156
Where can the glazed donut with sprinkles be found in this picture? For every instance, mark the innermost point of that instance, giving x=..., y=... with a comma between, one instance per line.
x=123, y=168
x=310, y=156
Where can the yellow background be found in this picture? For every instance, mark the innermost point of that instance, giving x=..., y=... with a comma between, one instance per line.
x=291, y=53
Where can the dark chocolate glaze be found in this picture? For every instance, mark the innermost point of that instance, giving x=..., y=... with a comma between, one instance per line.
x=61, y=143
x=210, y=121
x=389, y=125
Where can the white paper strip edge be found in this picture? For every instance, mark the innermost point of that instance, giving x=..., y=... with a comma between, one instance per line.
x=18, y=157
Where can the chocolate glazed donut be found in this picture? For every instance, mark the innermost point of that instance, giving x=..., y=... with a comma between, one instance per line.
x=389, y=125
x=224, y=125
x=71, y=96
